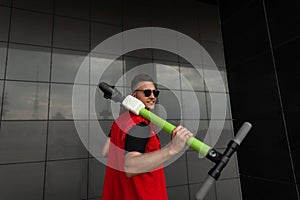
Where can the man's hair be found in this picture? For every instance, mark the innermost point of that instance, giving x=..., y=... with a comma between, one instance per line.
x=141, y=78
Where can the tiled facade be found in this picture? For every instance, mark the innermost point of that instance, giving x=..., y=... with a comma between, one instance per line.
x=42, y=45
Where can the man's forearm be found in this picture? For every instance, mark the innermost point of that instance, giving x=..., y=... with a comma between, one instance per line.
x=137, y=163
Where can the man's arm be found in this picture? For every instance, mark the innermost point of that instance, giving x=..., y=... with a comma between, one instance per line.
x=137, y=163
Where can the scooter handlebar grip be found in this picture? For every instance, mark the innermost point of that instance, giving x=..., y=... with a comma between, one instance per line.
x=243, y=131
x=107, y=89
x=205, y=188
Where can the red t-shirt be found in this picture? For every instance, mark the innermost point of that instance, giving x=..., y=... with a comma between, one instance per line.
x=117, y=186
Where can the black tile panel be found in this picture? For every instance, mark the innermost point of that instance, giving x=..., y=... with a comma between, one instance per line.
x=215, y=51
x=136, y=14
x=266, y=146
x=209, y=23
x=3, y=51
x=5, y=2
x=73, y=8
x=228, y=9
x=256, y=188
x=31, y=27
x=283, y=19
x=4, y=22
x=292, y=122
x=163, y=16
x=36, y=5
x=107, y=11
x=287, y=66
x=245, y=35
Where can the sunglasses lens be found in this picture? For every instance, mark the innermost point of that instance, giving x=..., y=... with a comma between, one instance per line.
x=147, y=93
x=156, y=93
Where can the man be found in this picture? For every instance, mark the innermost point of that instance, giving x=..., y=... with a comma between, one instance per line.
x=135, y=159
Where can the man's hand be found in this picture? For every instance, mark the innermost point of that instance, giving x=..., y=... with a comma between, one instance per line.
x=180, y=136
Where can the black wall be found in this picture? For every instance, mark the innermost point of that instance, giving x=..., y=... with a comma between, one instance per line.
x=261, y=43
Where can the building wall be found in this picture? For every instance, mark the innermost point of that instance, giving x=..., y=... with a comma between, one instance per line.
x=42, y=45
x=261, y=40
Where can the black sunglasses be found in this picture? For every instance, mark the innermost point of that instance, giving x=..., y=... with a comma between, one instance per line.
x=148, y=92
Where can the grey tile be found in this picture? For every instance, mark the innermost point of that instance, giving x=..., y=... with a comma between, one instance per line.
x=138, y=43
x=73, y=8
x=101, y=32
x=172, y=110
x=1, y=94
x=15, y=181
x=167, y=74
x=31, y=27
x=174, y=166
x=36, y=5
x=25, y=101
x=28, y=63
x=215, y=79
x=22, y=141
x=134, y=66
x=218, y=106
x=194, y=188
x=98, y=131
x=192, y=77
x=102, y=108
x=226, y=133
x=164, y=55
x=4, y=23
x=96, y=178
x=66, y=180
x=71, y=33
x=3, y=50
x=198, y=167
x=194, y=105
x=102, y=72
x=69, y=62
x=61, y=98
x=178, y=193
x=107, y=11
x=199, y=128
x=228, y=189
x=64, y=141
